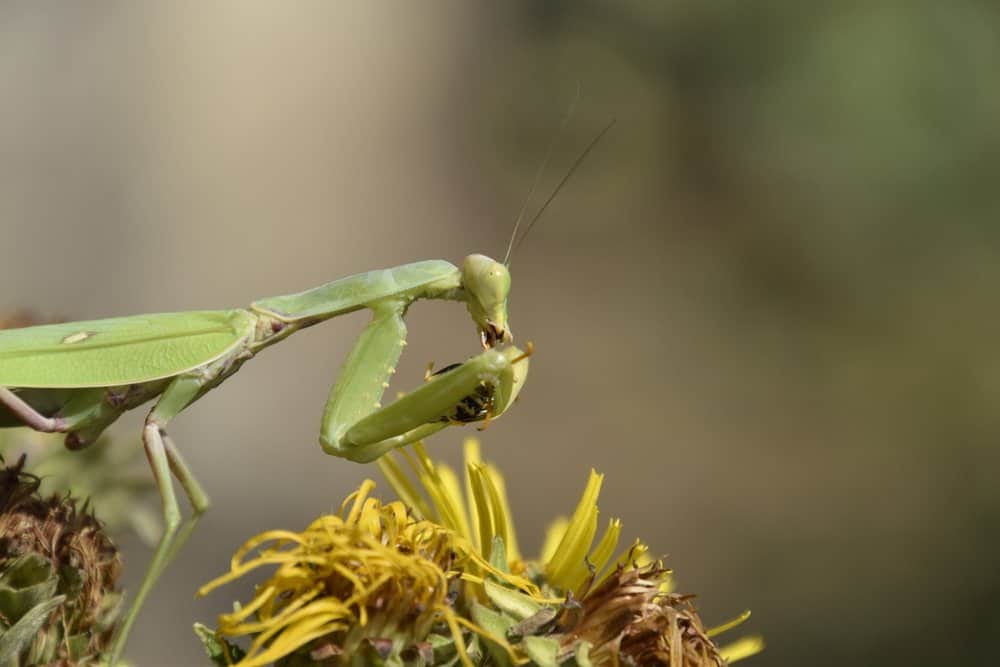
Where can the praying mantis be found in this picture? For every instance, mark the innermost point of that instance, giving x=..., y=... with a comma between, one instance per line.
x=78, y=378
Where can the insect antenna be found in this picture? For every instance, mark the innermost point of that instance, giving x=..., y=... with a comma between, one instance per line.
x=538, y=174
x=569, y=173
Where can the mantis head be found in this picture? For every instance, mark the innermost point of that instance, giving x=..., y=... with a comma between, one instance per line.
x=487, y=284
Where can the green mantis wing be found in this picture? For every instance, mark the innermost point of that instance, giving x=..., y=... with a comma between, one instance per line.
x=120, y=350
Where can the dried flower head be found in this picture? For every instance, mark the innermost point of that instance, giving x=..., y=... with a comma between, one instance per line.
x=630, y=616
x=58, y=571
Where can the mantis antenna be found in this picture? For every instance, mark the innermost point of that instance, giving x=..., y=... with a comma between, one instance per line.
x=515, y=242
x=538, y=175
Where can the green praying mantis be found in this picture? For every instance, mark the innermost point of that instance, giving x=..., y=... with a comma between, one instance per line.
x=78, y=378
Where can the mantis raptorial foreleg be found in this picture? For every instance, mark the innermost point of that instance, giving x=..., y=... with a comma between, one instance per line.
x=365, y=375
x=488, y=381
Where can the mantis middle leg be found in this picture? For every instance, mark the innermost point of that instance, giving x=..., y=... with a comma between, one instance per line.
x=29, y=416
x=164, y=459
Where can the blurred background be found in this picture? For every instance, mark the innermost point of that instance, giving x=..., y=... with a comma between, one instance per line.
x=765, y=306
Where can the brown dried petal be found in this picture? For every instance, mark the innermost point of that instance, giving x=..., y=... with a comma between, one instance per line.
x=629, y=618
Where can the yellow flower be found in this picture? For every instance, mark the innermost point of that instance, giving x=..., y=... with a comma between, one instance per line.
x=374, y=572
x=439, y=578
x=484, y=513
x=570, y=564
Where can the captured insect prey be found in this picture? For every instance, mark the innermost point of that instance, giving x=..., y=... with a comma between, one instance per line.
x=486, y=401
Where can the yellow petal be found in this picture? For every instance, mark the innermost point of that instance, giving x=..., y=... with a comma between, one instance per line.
x=358, y=497
x=742, y=648
x=448, y=513
x=496, y=479
x=606, y=547
x=728, y=625
x=403, y=487
x=498, y=513
x=553, y=536
x=470, y=451
x=481, y=509
x=567, y=569
x=451, y=489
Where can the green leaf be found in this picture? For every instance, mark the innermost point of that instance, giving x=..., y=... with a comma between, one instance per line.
x=18, y=637
x=445, y=653
x=511, y=602
x=440, y=641
x=582, y=654
x=489, y=620
x=25, y=584
x=217, y=647
x=25, y=571
x=497, y=625
x=542, y=651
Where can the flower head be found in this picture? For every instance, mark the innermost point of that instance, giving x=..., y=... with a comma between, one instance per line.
x=373, y=578
x=439, y=578
x=58, y=573
x=618, y=602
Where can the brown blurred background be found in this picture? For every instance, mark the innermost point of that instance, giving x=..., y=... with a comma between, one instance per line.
x=766, y=306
